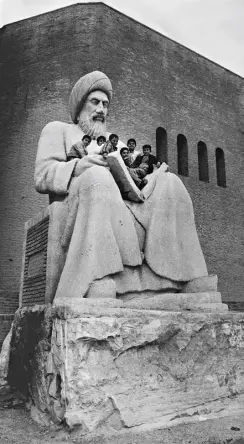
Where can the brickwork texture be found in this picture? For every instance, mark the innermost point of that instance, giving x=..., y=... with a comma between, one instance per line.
x=5, y=325
x=157, y=83
x=9, y=302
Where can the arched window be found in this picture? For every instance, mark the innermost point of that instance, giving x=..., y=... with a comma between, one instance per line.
x=220, y=167
x=202, y=162
x=182, y=152
x=161, y=145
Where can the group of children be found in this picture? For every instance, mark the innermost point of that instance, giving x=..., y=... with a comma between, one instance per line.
x=79, y=149
x=138, y=164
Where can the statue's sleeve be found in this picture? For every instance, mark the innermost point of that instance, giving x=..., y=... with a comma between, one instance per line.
x=52, y=172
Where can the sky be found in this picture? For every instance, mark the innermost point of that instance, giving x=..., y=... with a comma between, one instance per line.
x=213, y=28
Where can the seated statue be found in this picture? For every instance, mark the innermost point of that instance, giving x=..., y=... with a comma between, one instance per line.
x=113, y=246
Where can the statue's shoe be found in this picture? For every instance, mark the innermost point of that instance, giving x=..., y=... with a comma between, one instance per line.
x=102, y=288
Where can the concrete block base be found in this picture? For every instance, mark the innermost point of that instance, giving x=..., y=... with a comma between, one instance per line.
x=103, y=368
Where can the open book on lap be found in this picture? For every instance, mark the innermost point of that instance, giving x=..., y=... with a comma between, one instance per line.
x=121, y=175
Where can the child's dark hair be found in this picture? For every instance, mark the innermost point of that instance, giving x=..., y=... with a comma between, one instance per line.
x=112, y=136
x=86, y=137
x=103, y=138
x=124, y=148
x=131, y=140
x=147, y=146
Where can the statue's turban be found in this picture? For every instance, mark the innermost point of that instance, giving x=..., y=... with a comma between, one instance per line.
x=93, y=81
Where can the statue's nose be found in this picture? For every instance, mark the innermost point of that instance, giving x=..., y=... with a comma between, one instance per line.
x=100, y=107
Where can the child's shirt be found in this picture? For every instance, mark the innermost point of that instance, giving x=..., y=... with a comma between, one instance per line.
x=147, y=159
x=134, y=155
x=107, y=147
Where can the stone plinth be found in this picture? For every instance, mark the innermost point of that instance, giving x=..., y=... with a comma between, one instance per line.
x=111, y=368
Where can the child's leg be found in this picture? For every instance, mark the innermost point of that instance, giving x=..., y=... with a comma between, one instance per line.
x=140, y=183
x=134, y=176
x=141, y=170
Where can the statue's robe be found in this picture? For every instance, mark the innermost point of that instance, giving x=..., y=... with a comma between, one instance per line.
x=150, y=245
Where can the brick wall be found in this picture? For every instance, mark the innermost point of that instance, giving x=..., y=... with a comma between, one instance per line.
x=9, y=302
x=157, y=83
x=5, y=325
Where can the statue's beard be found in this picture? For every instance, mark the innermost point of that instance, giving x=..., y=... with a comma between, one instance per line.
x=92, y=128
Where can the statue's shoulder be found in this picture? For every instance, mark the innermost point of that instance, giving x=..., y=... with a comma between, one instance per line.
x=56, y=126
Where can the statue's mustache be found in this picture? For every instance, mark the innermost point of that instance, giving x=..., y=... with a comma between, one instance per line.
x=100, y=117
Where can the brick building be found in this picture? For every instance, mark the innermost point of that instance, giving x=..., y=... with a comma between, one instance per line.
x=190, y=109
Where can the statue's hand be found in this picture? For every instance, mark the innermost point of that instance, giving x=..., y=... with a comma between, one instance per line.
x=87, y=162
x=97, y=159
x=165, y=167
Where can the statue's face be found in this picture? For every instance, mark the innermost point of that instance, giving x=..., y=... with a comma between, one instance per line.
x=95, y=107
x=92, y=118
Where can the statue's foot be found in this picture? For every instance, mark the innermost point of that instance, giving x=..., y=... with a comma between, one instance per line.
x=102, y=288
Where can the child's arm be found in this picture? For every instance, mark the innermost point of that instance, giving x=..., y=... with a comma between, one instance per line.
x=73, y=154
x=77, y=151
x=107, y=148
x=137, y=161
x=142, y=170
x=104, y=151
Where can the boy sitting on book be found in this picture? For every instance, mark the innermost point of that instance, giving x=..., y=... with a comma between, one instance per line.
x=137, y=173
x=146, y=158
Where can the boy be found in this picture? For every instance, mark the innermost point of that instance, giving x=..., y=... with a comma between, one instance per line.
x=138, y=174
x=110, y=145
x=113, y=138
x=131, y=143
x=79, y=149
x=101, y=140
x=146, y=158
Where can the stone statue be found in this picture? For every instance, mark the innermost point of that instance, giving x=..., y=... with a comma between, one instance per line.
x=113, y=246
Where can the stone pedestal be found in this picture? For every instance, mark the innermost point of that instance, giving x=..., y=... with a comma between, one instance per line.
x=109, y=368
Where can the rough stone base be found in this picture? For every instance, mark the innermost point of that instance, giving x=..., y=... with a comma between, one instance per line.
x=106, y=368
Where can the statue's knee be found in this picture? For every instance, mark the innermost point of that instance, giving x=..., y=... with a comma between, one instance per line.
x=97, y=175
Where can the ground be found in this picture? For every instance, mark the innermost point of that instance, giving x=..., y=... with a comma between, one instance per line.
x=17, y=427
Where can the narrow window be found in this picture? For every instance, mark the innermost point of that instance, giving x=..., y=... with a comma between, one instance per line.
x=202, y=162
x=220, y=167
x=161, y=145
x=182, y=151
